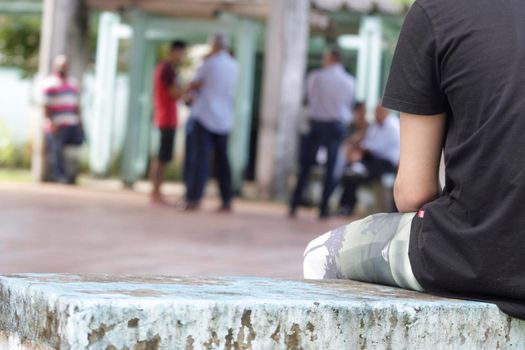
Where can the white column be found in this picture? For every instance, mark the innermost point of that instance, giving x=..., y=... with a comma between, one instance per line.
x=138, y=126
x=245, y=50
x=64, y=31
x=369, y=63
x=284, y=68
x=102, y=120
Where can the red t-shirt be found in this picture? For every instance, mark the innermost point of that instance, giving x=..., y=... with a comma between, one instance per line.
x=165, y=106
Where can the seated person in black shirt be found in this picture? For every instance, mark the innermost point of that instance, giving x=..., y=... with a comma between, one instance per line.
x=458, y=80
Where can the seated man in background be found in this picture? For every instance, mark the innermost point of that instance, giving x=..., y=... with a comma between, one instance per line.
x=372, y=157
x=358, y=127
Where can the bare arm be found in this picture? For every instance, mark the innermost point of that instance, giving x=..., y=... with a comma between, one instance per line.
x=176, y=92
x=421, y=145
x=195, y=86
x=198, y=80
x=169, y=80
x=47, y=112
x=48, y=115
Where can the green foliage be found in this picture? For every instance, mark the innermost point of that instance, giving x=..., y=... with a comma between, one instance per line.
x=12, y=155
x=15, y=175
x=174, y=172
x=19, y=42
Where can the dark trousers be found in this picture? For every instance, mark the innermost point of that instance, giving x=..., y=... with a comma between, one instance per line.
x=56, y=142
x=202, y=143
x=376, y=167
x=326, y=134
x=189, y=151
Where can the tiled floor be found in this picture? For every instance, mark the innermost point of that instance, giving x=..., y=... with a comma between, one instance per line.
x=101, y=229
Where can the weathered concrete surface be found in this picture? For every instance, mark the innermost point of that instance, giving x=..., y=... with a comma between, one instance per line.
x=102, y=312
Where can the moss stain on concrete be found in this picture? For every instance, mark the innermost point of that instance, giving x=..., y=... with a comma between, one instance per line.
x=189, y=343
x=293, y=339
x=229, y=340
x=99, y=333
x=311, y=328
x=244, y=340
x=150, y=344
x=213, y=340
x=276, y=335
x=133, y=323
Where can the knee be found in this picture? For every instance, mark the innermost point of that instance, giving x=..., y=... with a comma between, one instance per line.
x=315, y=259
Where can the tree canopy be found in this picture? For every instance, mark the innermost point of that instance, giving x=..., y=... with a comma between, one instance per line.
x=19, y=42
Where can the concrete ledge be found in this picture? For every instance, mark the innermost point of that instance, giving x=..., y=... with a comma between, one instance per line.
x=150, y=313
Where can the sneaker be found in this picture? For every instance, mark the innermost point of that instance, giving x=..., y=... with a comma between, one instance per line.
x=225, y=209
x=191, y=206
x=345, y=211
x=62, y=180
x=158, y=199
x=324, y=214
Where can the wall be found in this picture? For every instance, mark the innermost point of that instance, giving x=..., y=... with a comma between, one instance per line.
x=15, y=97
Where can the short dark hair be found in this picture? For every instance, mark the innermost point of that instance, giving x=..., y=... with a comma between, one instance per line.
x=336, y=54
x=178, y=45
x=358, y=105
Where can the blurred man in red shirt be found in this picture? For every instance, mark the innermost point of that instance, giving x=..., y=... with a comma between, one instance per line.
x=166, y=91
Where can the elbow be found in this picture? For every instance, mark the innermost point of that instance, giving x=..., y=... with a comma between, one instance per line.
x=196, y=86
x=412, y=198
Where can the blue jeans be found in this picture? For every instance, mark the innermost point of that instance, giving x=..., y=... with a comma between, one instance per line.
x=326, y=134
x=376, y=167
x=64, y=136
x=201, y=144
x=189, y=152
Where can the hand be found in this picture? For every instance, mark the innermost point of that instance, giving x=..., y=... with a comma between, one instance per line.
x=188, y=99
x=54, y=128
x=356, y=155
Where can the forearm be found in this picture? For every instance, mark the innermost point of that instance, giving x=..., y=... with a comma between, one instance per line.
x=47, y=112
x=421, y=147
x=176, y=92
x=357, y=138
x=195, y=86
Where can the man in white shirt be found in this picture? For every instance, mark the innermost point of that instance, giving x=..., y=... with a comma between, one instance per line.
x=212, y=114
x=378, y=154
x=330, y=96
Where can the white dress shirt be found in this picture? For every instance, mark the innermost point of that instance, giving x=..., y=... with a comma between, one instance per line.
x=383, y=141
x=330, y=93
x=214, y=104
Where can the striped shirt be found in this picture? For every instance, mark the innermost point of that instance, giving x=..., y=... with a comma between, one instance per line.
x=62, y=99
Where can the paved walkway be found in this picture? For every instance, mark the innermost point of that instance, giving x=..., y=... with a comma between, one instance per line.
x=101, y=229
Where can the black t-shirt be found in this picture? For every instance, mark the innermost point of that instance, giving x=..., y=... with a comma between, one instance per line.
x=466, y=58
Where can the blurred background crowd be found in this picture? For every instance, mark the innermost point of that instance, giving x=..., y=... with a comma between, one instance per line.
x=109, y=51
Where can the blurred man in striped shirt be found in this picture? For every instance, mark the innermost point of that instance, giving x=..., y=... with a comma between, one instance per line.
x=63, y=121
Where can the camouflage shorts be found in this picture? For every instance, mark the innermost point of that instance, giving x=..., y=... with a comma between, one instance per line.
x=373, y=250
